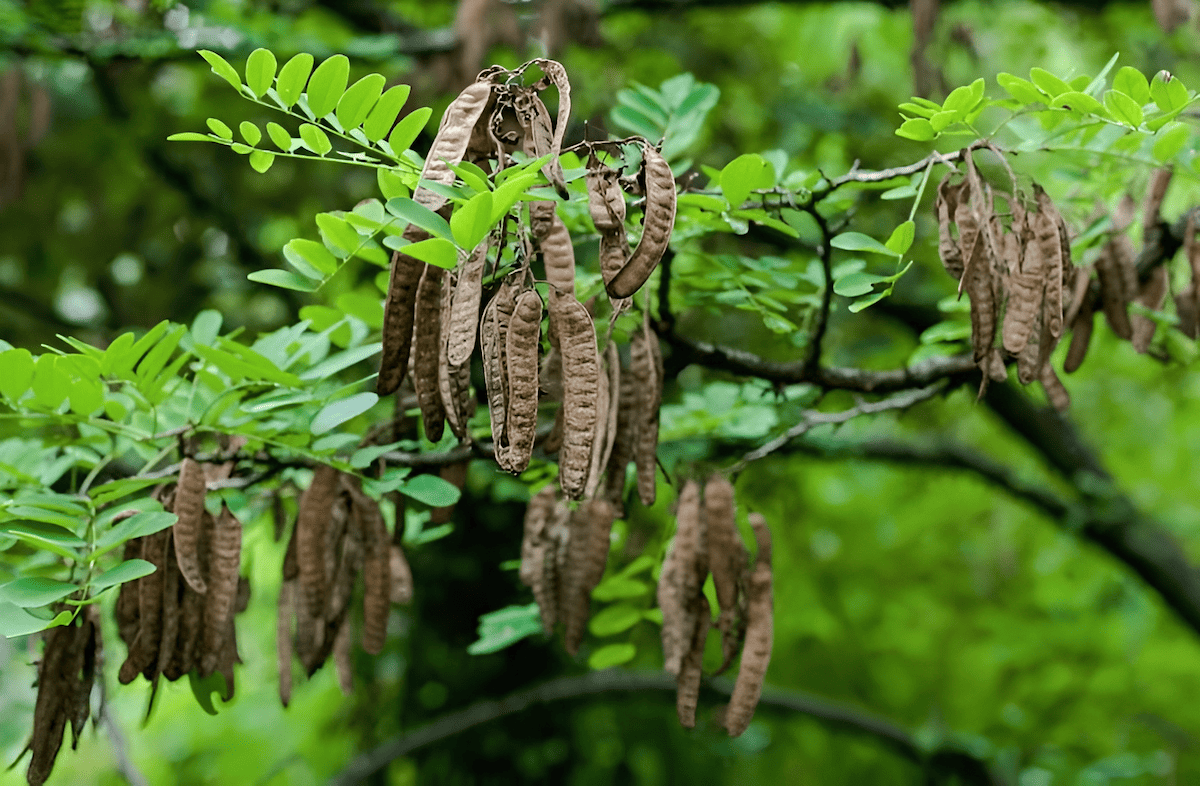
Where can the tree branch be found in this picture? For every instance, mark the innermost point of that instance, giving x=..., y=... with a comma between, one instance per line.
x=843, y=717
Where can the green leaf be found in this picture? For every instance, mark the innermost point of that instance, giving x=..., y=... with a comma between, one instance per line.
x=260, y=71
x=386, y=110
x=45, y=536
x=391, y=185
x=855, y=284
x=315, y=139
x=1078, y=102
x=206, y=326
x=918, y=129
x=138, y=525
x=619, y=587
x=614, y=620
x=189, y=136
x=364, y=305
x=16, y=621
x=902, y=237
x=204, y=689
x=280, y=136
x=342, y=360
x=328, y=84
x=417, y=214
x=261, y=160
x=857, y=241
x=612, y=655
x=338, y=234
x=338, y=412
x=1048, y=82
x=50, y=385
x=292, y=77
x=1170, y=142
x=963, y=99
x=1021, y=89
x=505, y=627
x=117, y=489
x=746, y=173
x=916, y=109
x=33, y=591
x=86, y=395
x=16, y=373
x=1123, y=108
x=356, y=103
x=434, y=251
x=250, y=133
x=127, y=571
x=302, y=252
x=407, y=130
x=868, y=301
x=431, y=490
x=159, y=354
x=220, y=129
x=221, y=68
x=1168, y=92
x=285, y=279
x=470, y=222
x=365, y=457
x=1132, y=83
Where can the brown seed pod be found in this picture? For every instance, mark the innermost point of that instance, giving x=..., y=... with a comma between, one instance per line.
x=493, y=337
x=312, y=523
x=1156, y=190
x=1151, y=295
x=756, y=653
x=599, y=435
x=687, y=690
x=1114, y=296
x=143, y=655
x=1081, y=336
x=342, y=642
x=127, y=609
x=682, y=577
x=587, y=554
x=464, y=308
x=726, y=560
x=606, y=420
x=537, y=520
x=581, y=378
x=283, y=638
x=558, y=255
x=65, y=677
x=1055, y=250
x=625, y=439
x=555, y=74
x=1055, y=392
x=398, y=313
x=1025, y=292
x=172, y=578
x=945, y=207
x=189, y=507
x=400, y=574
x=1187, y=302
x=453, y=136
x=977, y=281
x=606, y=201
x=521, y=355
x=647, y=368
x=377, y=578
x=454, y=381
x=659, y=185
x=225, y=558
x=427, y=333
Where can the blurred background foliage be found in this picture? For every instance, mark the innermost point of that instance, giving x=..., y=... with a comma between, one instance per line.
x=919, y=594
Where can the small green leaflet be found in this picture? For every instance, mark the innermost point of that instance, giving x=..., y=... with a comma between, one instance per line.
x=612, y=655
x=292, y=78
x=327, y=85
x=126, y=571
x=505, y=627
x=857, y=241
x=16, y=621
x=431, y=490
x=260, y=71
x=222, y=68
x=615, y=619
x=33, y=591
x=338, y=412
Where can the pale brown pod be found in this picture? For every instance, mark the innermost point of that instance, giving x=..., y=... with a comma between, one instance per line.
x=647, y=369
x=606, y=420
x=347, y=564
x=656, y=226
x=537, y=520
x=172, y=578
x=1151, y=295
x=678, y=588
x=283, y=639
x=142, y=657
x=398, y=314
x=377, y=575
x=687, y=690
x=342, y=642
x=1048, y=226
x=756, y=653
x=549, y=589
x=493, y=337
x=599, y=435
x=606, y=201
x=521, y=354
x=581, y=372
x=1156, y=190
x=401, y=575
x=188, y=642
x=945, y=207
x=316, y=509
x=427, y=333
x=189, y=507
x=726, y=559
x=225, y=557
x=1025, y=291
x=1055, y=392
x=556, y=74
x=587, y=553
x=625, y=439
x=453, y=136
x=1081, y=336
x=558, y=256
x=454, y=381
x=464, y=308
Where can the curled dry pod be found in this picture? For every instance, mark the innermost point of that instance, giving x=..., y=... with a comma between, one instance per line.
x=172, y=577
x=65, y=677
x=189, y=507
x=1113, y=295
x=1057, y=264
x=558, y=255
x=283, y=638
x=225, y=558
x=400, y=574
x=678, y=584
x=427, y=333
x=555, y=74
x=606, y=201
x=521, y=354
x=312, y=522
x=726, y=560
x=398, y=311
x=453, y=136
x=587, y=554
x=977, y=282
x=606, y=420
x=647, y=368
x=464, y=308
x=1081, y=336
x=377, y=569
x=142, y=657
x=945, y=206
x=599, y=435
x=454, y=381
x=756, y=653
x=656, y=227
x=1055, y=392
x=687, y=684
x=581, y=379
x=493, y=336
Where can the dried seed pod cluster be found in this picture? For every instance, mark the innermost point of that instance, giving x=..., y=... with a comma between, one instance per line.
x=180, y=618
x=707, y=540
x=340, y=533
x=65, y=674
x=1015, y=274
x=444, y=315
